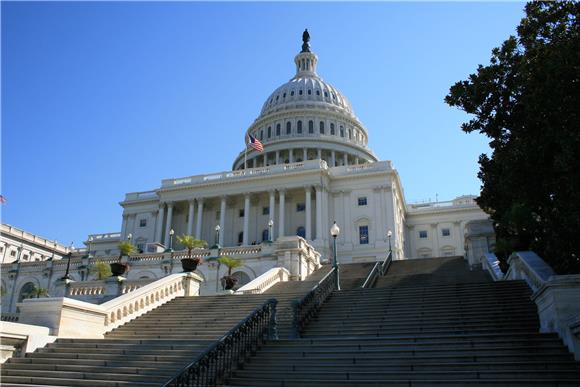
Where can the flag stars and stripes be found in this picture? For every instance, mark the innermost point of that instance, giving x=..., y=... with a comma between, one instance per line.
x=255, y=143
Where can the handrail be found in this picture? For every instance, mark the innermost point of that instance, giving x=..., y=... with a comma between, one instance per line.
x=215, y=363
x=387, y=263
x=265, y=281
x=371, y=278
x=308, y=307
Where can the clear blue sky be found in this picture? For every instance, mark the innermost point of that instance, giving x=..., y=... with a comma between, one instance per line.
x=100, y=99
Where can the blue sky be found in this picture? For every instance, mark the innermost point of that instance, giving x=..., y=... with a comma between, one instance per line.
x=100, y=99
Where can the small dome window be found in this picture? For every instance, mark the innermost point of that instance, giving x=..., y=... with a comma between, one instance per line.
x=284, y=95
x=277, y=97
x=317, y=92
x=288, y=127
x=277, y=129
x=311, y=127
x=321, y=127
x=309, y=92
x=269, y=131
x=299, y=127
x=332, y=129
x=325, y=94
x=341, y=131
x=333, y=96
x=300, y=92
x=292, y=93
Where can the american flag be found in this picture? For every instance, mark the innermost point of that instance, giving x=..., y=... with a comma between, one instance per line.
x=255, y=143
x=3, y=199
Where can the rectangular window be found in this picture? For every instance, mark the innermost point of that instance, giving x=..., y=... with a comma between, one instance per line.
x=300, y=207
x=445, y=232
x=423, y=234
x=362, y=201
x=241, y=213
x=143, y=223
x=141, y=247
x=1, y=249
x=265, y=210
x=13, y=253
x=363, y=235
x=25, y=257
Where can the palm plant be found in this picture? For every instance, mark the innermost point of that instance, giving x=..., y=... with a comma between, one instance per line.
x=189, y=242
x=39, y=292
x=228, y=282
x=119, y=268
x=125, y=248
x=101, y=270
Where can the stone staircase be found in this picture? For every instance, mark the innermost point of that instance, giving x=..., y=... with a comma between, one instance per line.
x=427, y=323
x=152, y=348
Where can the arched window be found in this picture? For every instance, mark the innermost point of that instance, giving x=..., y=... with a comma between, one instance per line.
x=317, y=92
x=301, y=232
x=342, y=131
x=310, y=126
x=332, y=132
x=284, y=95
x=277, y=129
x=309, y=92
x=269, y=131
x=350, y=134
x=321, y=127
x=265, y=235
x=261, y=135
x=288, y=127
x=26, y=291
x=300, y=92
x=242, y=277
x=299, y=127
x=292, y=93
x=240, y=238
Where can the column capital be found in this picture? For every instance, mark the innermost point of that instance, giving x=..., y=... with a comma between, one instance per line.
x=433, y=225
x=282, y=190
x=199, y=199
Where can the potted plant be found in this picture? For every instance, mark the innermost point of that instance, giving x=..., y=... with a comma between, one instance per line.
x=101, y=270
x=229, y=281
x=39, y=292
x=119, y=268
x=189, y=242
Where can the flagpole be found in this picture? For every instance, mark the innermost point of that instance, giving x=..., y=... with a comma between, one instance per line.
x=245, y=155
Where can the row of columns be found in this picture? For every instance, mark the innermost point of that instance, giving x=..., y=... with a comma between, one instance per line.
x=159, y=232
x=253, y=162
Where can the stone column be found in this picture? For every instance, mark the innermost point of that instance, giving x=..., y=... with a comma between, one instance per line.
x=332, y=158
x=356, y=161
x=319, y=151
x=277, y=157
x=308, y=200
x=272, y=209
x=305, y=154
x=199, y=218
x=265, y=159
x=290, y=156
x=190, y=217
x=245, y=241
x=345, y=159
x=168, y=222
x=254, y=162
x=160, y=216
x=222, y=220
x=124, y=226
x=282, y=194
x=435, y=239
x=318, y=212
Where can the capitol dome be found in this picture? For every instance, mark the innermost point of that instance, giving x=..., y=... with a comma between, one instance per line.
x=306, y=119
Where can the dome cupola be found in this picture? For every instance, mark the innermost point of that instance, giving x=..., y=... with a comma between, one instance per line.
x=307, y=118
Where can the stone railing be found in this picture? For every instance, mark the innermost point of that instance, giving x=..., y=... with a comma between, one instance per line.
x=556, y=296
x=490, y=263
x=231, y=175
x=73, y=318
x=265, y=281
x=9, y=317
x=18, y=339
x=362, y=168
x=88, y=288
x=105, y=236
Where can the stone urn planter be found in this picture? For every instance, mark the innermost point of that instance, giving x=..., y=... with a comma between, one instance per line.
x=190, y=264
x=229, y=282
x=118, y=268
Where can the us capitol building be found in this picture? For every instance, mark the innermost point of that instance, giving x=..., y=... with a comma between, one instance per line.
x=316, y=167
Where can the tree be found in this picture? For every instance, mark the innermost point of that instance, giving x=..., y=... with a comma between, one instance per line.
x=101, y=270
x=125, y=248
x=190, y=243
x=527, y=102
x=230, y=263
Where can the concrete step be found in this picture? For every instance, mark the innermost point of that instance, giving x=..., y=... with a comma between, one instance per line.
x=261, y=382
x=44, y=381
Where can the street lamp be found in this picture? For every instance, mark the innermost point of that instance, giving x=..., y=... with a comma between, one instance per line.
x=89, y=245
x=270, y=226
x=67, y=278
x=334, y=231
x=389, y=235
x=171, y=233
x=217, y=237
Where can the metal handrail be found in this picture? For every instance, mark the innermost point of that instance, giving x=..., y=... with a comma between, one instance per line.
x=307, y=308
x=386, y=263
x=373, y=274
x=216, y=363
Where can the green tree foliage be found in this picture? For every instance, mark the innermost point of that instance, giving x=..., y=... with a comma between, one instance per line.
x=190, y=243
x=527, y=101
x=230, y=262
x=126, y=248
x=101, y=270
x=39, y=292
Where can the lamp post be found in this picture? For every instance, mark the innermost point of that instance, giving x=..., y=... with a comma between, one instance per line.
x=67, y=278
x=389, y=235
x=89, y=245
x=171, y=233
x=217, y=236
x=270, y=227
x=334, y=231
